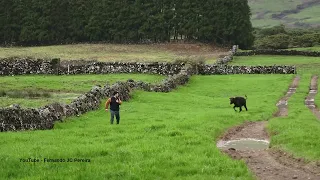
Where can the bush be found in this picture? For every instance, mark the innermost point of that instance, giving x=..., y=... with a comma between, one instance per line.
x=278, y=41
x=277, y=37
x=261, y=33
x=306, y=40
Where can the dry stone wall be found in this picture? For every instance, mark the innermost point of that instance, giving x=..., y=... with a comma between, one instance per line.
x=38, y=66
x=225, y=69
x=21, y=66
x=16, y=118
x=229, y=57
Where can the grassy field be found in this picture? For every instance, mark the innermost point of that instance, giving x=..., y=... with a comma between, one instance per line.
x=305, y=65
x=262, y=12
x=118, y=52
x=62, y=88
x=160, y=136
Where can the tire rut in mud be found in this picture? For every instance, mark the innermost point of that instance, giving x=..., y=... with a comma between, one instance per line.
x=309, y=101
x=283, y=102
x=265, y=163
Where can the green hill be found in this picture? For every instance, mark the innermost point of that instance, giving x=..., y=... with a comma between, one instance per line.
x=292, y=13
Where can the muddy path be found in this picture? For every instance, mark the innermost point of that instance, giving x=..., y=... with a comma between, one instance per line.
x=283, y=102
x=309, y=101
x=267, y=164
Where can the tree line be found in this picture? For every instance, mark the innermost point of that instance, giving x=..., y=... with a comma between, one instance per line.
x=36, y=22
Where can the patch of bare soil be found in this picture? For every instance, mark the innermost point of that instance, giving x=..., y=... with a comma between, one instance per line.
x=309, y=101
x=247, y=130
x=269, y=164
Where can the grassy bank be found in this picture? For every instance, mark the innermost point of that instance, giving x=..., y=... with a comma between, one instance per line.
x=161, y=135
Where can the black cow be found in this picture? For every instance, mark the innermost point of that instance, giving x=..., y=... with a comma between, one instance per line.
x=239, y=102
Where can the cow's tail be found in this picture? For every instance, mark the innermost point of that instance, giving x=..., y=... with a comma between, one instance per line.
x=246, y=96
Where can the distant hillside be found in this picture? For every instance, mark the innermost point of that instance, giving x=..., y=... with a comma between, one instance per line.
x=292, y=13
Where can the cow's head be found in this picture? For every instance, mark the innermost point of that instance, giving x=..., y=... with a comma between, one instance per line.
x=231, y=100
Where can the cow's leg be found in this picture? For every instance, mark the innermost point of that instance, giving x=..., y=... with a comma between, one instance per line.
x=246, y=107
x=234, y=107
x=240, y=108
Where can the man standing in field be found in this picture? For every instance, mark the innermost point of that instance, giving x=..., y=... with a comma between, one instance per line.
x=114, y=103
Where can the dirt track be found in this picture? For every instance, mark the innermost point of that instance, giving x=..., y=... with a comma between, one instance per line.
x=309, y=102
x=283, y=102
x=270, y=164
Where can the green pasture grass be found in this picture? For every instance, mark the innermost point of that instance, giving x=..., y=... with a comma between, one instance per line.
x=298, y=133
x=117, y=52
x=160, y=136
x=64, y=88
x=304, y=64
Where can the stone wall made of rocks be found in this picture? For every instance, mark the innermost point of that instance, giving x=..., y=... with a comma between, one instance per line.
x=20, y=66
x=229, y=57
x=225, y=69
x=279, y=52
